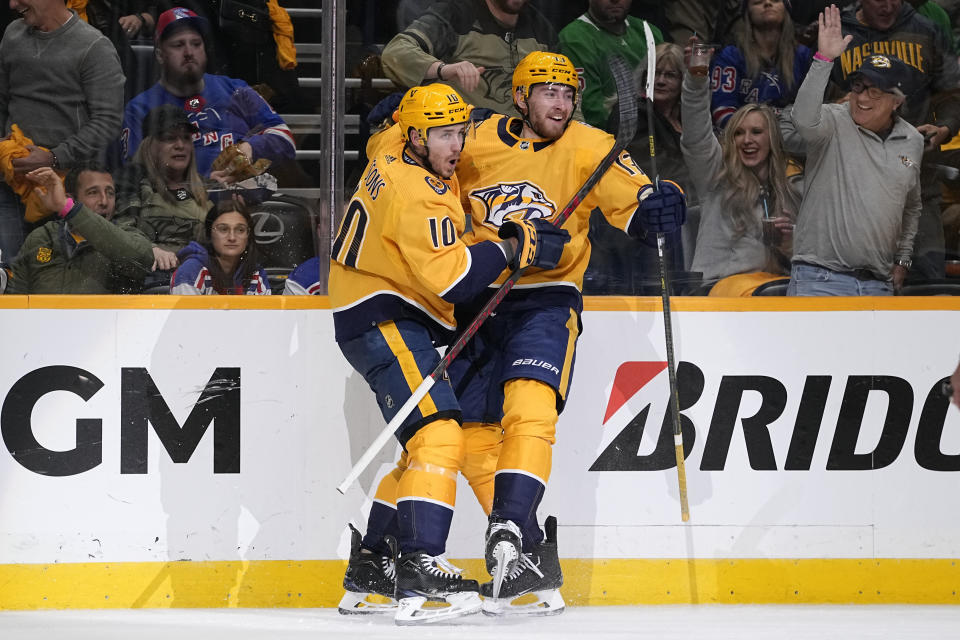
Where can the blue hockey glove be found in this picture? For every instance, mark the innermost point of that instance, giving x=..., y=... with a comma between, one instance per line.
x=539, y=243
x=661, y=211
x=384, y=109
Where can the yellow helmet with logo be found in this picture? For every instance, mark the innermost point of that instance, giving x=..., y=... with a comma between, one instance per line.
x=542, y=66
x=435, y=105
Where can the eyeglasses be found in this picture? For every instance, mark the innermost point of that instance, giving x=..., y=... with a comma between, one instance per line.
x=875, y=93
x=225, y=229
x=667, y=75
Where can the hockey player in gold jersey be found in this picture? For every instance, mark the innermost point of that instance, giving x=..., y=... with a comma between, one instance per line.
x=513, y=377
x=398, y=266
x=515, y=374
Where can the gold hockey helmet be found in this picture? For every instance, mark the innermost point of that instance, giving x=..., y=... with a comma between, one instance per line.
x=435, y=105
x=542, y=66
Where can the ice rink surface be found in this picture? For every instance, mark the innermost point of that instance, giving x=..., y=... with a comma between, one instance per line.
x=702, y=622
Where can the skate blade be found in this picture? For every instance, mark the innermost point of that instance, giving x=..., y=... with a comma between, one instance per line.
x=505, y=556
x=365, y=604
x=545, y=603
x=417, y=610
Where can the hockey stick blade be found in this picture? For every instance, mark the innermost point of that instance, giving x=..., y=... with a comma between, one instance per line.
x=628, y=110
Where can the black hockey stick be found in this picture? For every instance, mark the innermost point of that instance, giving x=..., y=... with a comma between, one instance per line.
x=665, y=289
x=622, y=75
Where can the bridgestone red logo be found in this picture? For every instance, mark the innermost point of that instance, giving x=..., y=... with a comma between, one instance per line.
x=810, y=419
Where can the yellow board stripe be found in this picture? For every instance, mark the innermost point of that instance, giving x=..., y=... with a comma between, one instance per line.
x=590, y=303
x=318, y=583
x=265, y=303
x=775, y=303
x=408, y=365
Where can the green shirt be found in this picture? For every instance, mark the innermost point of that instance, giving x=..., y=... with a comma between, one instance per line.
x=168, y=225
x=936, y=14
x=588, y=46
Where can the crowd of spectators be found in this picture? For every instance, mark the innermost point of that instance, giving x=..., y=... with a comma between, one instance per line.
x=73, y=96
x=65, y=102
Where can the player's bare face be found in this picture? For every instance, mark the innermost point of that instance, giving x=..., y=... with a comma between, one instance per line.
x=752, y=140
x=229, y=234
x=97, y=192
x=549, y=109
x=183, y=57
x=174, y=151
x=444, y=145
x=766, y=13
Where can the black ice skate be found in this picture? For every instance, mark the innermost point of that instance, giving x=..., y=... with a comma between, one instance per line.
x=502, y=551
x=370, y=581
x=422, y=579
x=537, y=572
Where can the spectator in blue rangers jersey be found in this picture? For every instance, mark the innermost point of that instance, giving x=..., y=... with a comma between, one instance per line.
x=398, y=266
x=222, y=111
x=304, y=280
x=763, y=66
x=227, y=264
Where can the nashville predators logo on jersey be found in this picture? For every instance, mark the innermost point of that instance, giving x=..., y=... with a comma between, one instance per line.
x=515, y=200
x=436, y=184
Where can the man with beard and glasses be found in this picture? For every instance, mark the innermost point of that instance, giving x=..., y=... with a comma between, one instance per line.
x=512, y=378
x=398, y=266
x=473, y=45
x=223, y=111
x=605, y=29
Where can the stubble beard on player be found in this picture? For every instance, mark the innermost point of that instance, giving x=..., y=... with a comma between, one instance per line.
x=539, y=130
x=425, y=161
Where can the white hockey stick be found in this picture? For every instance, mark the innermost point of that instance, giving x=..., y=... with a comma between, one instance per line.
x=665, y=288
x=626, y=91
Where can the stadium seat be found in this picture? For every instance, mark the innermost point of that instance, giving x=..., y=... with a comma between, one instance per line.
x=773, y=288
x=285, y=233
x=947, y=287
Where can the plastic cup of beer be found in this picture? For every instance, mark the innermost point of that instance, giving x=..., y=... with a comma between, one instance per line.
x=700, y=53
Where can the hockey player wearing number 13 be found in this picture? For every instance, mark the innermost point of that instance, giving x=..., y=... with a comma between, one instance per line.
x=516, y=373
x=512, y=378
x=398, y=266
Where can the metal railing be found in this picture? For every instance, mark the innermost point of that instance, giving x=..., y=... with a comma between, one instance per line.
x=298, y=12
x=350, y=83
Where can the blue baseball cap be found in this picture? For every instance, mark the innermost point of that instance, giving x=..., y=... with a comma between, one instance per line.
x=884, y=72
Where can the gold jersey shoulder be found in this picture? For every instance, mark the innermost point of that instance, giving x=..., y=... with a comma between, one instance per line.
x=400, y=237
x=504, y=176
